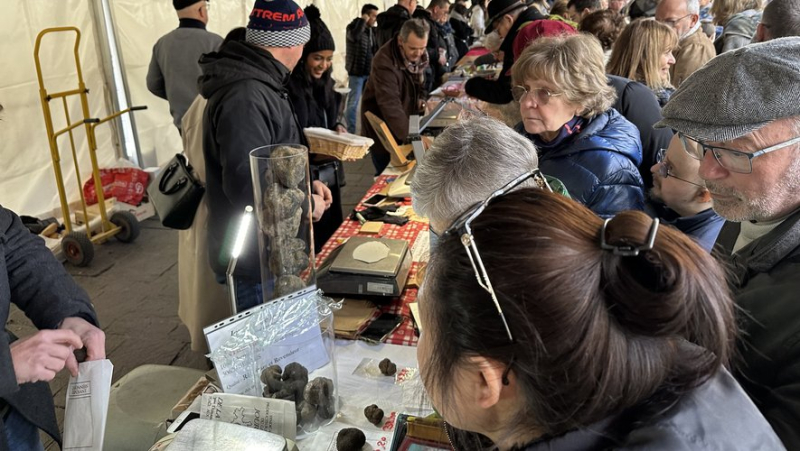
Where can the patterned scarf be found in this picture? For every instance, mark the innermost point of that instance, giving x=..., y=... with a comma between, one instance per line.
x=416, y=68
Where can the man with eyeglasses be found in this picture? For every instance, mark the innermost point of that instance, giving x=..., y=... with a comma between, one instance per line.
x=740, y=116
x=174, y=67
x=680, y=198
x=695, y=47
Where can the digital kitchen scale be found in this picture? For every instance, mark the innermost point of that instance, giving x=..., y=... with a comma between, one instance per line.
x=366, y=266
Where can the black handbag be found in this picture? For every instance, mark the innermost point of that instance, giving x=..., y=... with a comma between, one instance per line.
x=176, y=194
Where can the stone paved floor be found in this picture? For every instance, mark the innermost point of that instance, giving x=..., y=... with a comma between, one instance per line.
x=134, y=288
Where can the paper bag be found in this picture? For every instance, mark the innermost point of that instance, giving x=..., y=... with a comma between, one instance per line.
x=87, y=406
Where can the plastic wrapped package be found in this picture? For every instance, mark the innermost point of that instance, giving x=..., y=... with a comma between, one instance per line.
x=207, y=435
x=285, y=350
x=282, y=197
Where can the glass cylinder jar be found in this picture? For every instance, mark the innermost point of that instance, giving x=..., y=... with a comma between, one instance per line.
x=282, y=196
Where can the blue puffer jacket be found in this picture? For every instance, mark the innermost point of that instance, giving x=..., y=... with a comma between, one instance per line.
x=599, y=164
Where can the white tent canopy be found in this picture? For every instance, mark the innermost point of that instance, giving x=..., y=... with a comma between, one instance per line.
x=27, y=181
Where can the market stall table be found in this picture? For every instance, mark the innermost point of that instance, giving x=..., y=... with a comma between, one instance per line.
x=404, y=334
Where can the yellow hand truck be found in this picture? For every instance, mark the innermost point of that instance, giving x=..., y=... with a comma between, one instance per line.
x=78, y=246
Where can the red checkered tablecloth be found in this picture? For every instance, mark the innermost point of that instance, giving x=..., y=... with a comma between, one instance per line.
x=404, y=335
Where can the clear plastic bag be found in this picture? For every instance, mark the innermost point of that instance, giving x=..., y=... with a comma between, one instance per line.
x=286, y=350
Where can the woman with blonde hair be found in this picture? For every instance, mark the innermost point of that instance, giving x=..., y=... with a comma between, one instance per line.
x=739, y=19
x=567, y=112
x=643, y=53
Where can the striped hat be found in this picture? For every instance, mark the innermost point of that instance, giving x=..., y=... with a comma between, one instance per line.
x=277, y=23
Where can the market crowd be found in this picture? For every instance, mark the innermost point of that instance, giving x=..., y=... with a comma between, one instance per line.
x=615, y=265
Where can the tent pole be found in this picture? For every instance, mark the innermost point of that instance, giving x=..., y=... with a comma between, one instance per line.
x=127, y=140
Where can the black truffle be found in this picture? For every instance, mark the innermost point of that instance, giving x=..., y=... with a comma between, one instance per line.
x=308, y=412
x=374, y=414
x=387, y=367
x=80, y=354
x=290, y=171
x=350, y=439
x=319, y=392
x=288, y=285
x=271, y=377
x=296, y=373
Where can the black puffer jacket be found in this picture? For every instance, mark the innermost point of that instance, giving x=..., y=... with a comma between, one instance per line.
x=390, y=22
x=436, y=41
x=248, y=107
x=361, y=47
x=499, y=91
x=462, y=33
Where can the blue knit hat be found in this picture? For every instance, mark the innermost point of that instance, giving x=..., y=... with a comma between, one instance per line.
x=277, y=23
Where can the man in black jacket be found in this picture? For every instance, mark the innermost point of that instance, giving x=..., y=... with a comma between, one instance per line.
x=505, y=18
x=391, y=20
x=435, y=15
x=33, y=280
x=248, y=107
x=361, y=47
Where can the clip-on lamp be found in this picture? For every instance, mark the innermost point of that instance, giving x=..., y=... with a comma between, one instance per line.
x=238, y=246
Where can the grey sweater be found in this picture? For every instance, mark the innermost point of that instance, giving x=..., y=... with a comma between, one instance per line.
x=174, y=67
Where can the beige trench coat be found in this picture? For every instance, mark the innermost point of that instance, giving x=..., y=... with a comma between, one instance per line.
x=202, y=301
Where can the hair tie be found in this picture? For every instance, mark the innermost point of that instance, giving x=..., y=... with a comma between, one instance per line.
x=625, y=248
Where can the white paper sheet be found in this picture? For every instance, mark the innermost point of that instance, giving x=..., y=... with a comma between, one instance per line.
x=87, y=406
x=271, y=415
x=421, y=249
x=371, y=252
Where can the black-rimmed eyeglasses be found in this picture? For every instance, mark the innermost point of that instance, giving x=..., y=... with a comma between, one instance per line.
x=730, y=159
x=665, y=168
x=462, y=228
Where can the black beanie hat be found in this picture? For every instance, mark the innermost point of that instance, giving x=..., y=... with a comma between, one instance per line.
x=180, y=4
x=321, y=38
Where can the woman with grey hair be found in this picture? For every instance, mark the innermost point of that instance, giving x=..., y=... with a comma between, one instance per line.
x=566, y=112
x=465, y=164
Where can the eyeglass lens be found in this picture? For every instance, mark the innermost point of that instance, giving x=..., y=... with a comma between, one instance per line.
x=729, y=159
x=540, y=96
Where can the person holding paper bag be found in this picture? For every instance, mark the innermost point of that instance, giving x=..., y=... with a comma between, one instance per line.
x=33, y=280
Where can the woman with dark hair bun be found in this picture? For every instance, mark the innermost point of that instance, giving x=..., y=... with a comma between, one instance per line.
x=547, y=328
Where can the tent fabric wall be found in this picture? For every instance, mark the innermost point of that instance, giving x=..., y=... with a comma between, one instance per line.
x=27, y=181
x=140, y=23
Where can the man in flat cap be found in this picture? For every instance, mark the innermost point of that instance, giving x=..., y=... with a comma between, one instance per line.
x=174, y=70
x=740, y=115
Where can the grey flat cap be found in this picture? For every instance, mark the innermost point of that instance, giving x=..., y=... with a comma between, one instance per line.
x=738, y=92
